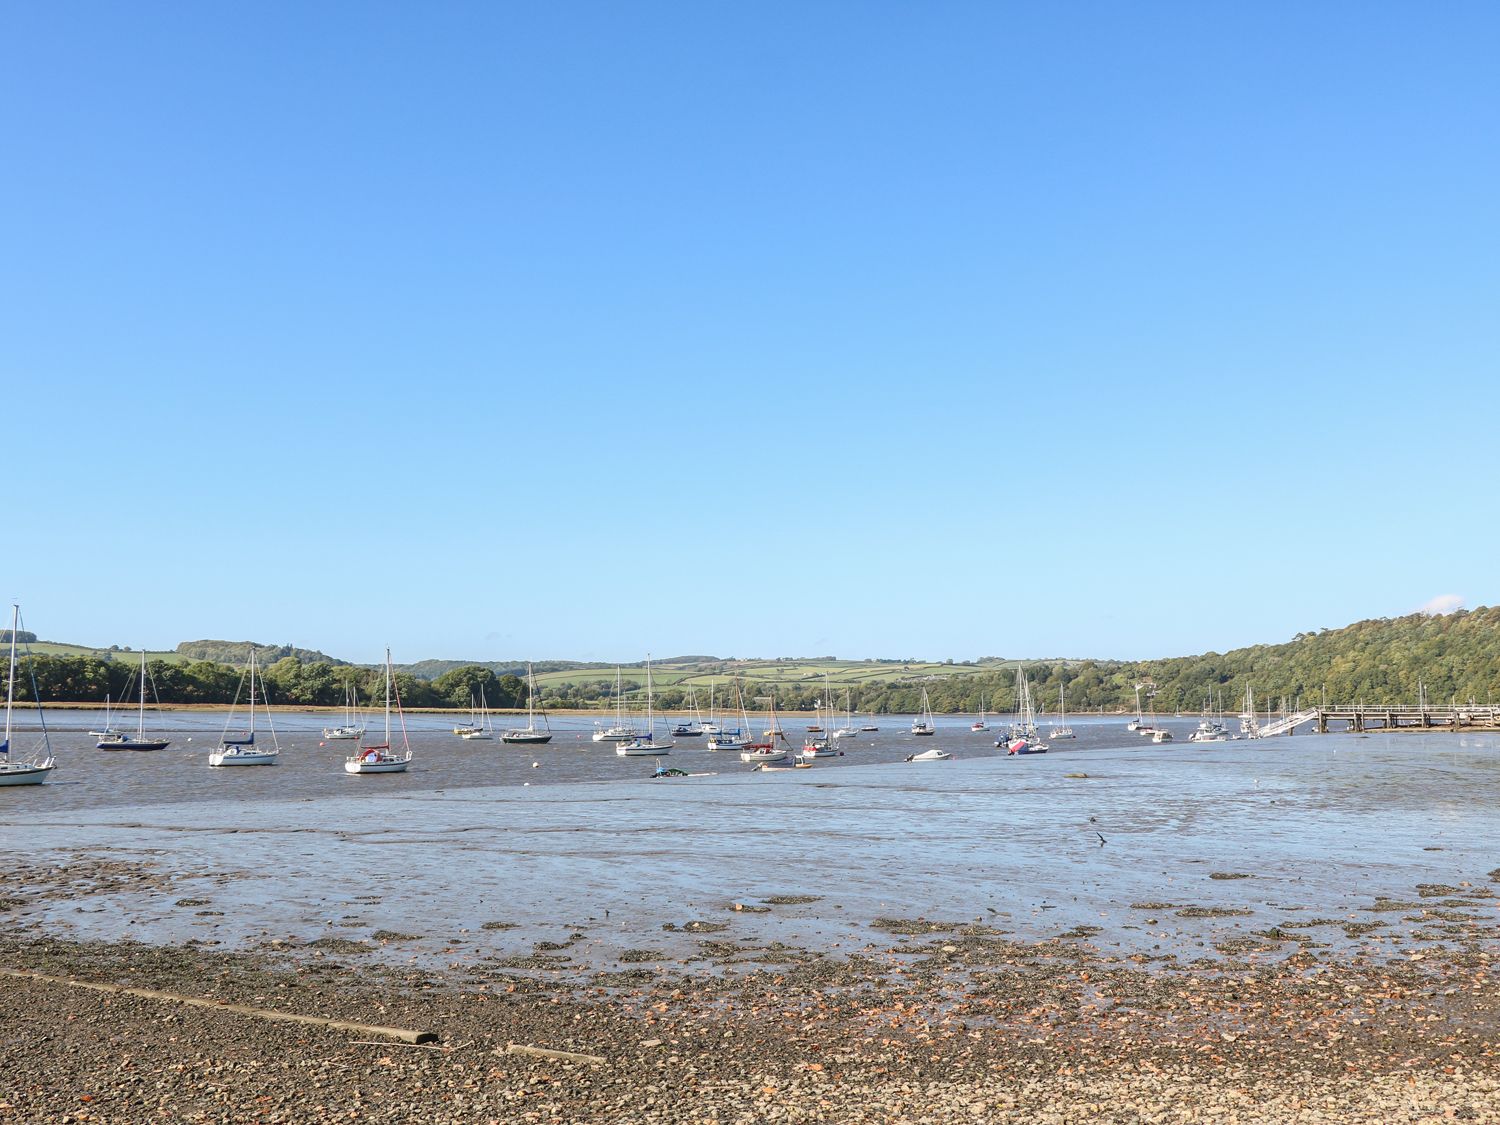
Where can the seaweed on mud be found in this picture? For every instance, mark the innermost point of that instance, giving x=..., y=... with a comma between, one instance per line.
x=339, y=945
x=914, y=926
x=500, y=926
x=1081, y=932
x=1229, y=875
x=1213, y=912
x=1438, y=890
x=791, y=900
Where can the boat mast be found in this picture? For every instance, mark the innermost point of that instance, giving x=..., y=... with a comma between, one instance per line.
x=387, y=697
x=252, y=694
x=10, y=681
x=650, y=715
x=140, y=718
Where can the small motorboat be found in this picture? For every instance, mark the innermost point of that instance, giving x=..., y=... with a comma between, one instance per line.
x=936, y=754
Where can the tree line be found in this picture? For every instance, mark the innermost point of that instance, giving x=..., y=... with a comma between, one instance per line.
x=1382, y=661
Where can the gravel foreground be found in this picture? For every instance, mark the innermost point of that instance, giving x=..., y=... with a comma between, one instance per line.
x=951, y=1024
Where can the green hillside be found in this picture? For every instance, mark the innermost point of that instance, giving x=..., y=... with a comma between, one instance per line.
x=1372, y=662
x=113, y=652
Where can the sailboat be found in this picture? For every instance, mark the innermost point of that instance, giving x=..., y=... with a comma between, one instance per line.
x=690, y=728
x=1248, y=723
x=645, y=745
x=108, y=730
x=36, y=770
x=736, y=739
x=817, y=744
x=620, y=732
x=484, y=729
x=711, y=727
x=923, y=724
x=380, y=758
x=140, y=741
x=1024, y=738
x=1062, y=730
x=529, y=733
x=762, y=752
x=353, y=726
x=1140, y=720
x=473, y=726
x=848, y=730
x=979, y=723
x=244, y=751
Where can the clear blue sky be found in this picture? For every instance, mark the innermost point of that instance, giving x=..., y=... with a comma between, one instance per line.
x=587, y=329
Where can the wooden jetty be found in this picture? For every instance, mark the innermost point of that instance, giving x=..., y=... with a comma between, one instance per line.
x=1363, y=718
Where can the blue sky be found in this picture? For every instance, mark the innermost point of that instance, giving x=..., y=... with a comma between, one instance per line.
x=587, y=330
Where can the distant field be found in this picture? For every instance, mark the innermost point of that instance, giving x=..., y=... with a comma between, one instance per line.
x=51, y=648
x=800, y=672
x=695, y=674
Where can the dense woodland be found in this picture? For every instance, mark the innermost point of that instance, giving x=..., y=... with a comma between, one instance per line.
x=1456, y=656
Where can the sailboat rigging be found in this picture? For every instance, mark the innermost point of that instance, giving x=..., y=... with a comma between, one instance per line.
x=140, y=741
x=243, y=751
x=380, y=758
x=529, y=733
x=645, y=745
x=35, y=770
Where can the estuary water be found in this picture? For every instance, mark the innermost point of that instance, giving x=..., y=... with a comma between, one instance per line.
x=476, y=854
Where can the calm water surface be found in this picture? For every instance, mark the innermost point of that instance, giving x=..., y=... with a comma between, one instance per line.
x=584, y=843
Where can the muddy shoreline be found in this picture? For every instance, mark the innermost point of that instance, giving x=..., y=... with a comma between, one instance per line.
x=936, y=1020
x=951, y=1025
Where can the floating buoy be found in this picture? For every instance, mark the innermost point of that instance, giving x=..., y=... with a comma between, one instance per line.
x=535, y=764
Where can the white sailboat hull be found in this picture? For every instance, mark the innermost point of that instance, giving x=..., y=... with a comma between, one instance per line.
x=343, y=734
x=382, y=763
x=763, y=756
x=616, y=734
x=643, y=749
x=933, y=755
x=242, y=756
x=25, y=773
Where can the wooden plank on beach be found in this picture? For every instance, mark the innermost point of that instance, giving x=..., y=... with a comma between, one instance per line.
x=549, y=1053
x=404, y=1035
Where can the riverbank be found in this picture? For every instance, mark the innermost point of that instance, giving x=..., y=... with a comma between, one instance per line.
x=968, y=1028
